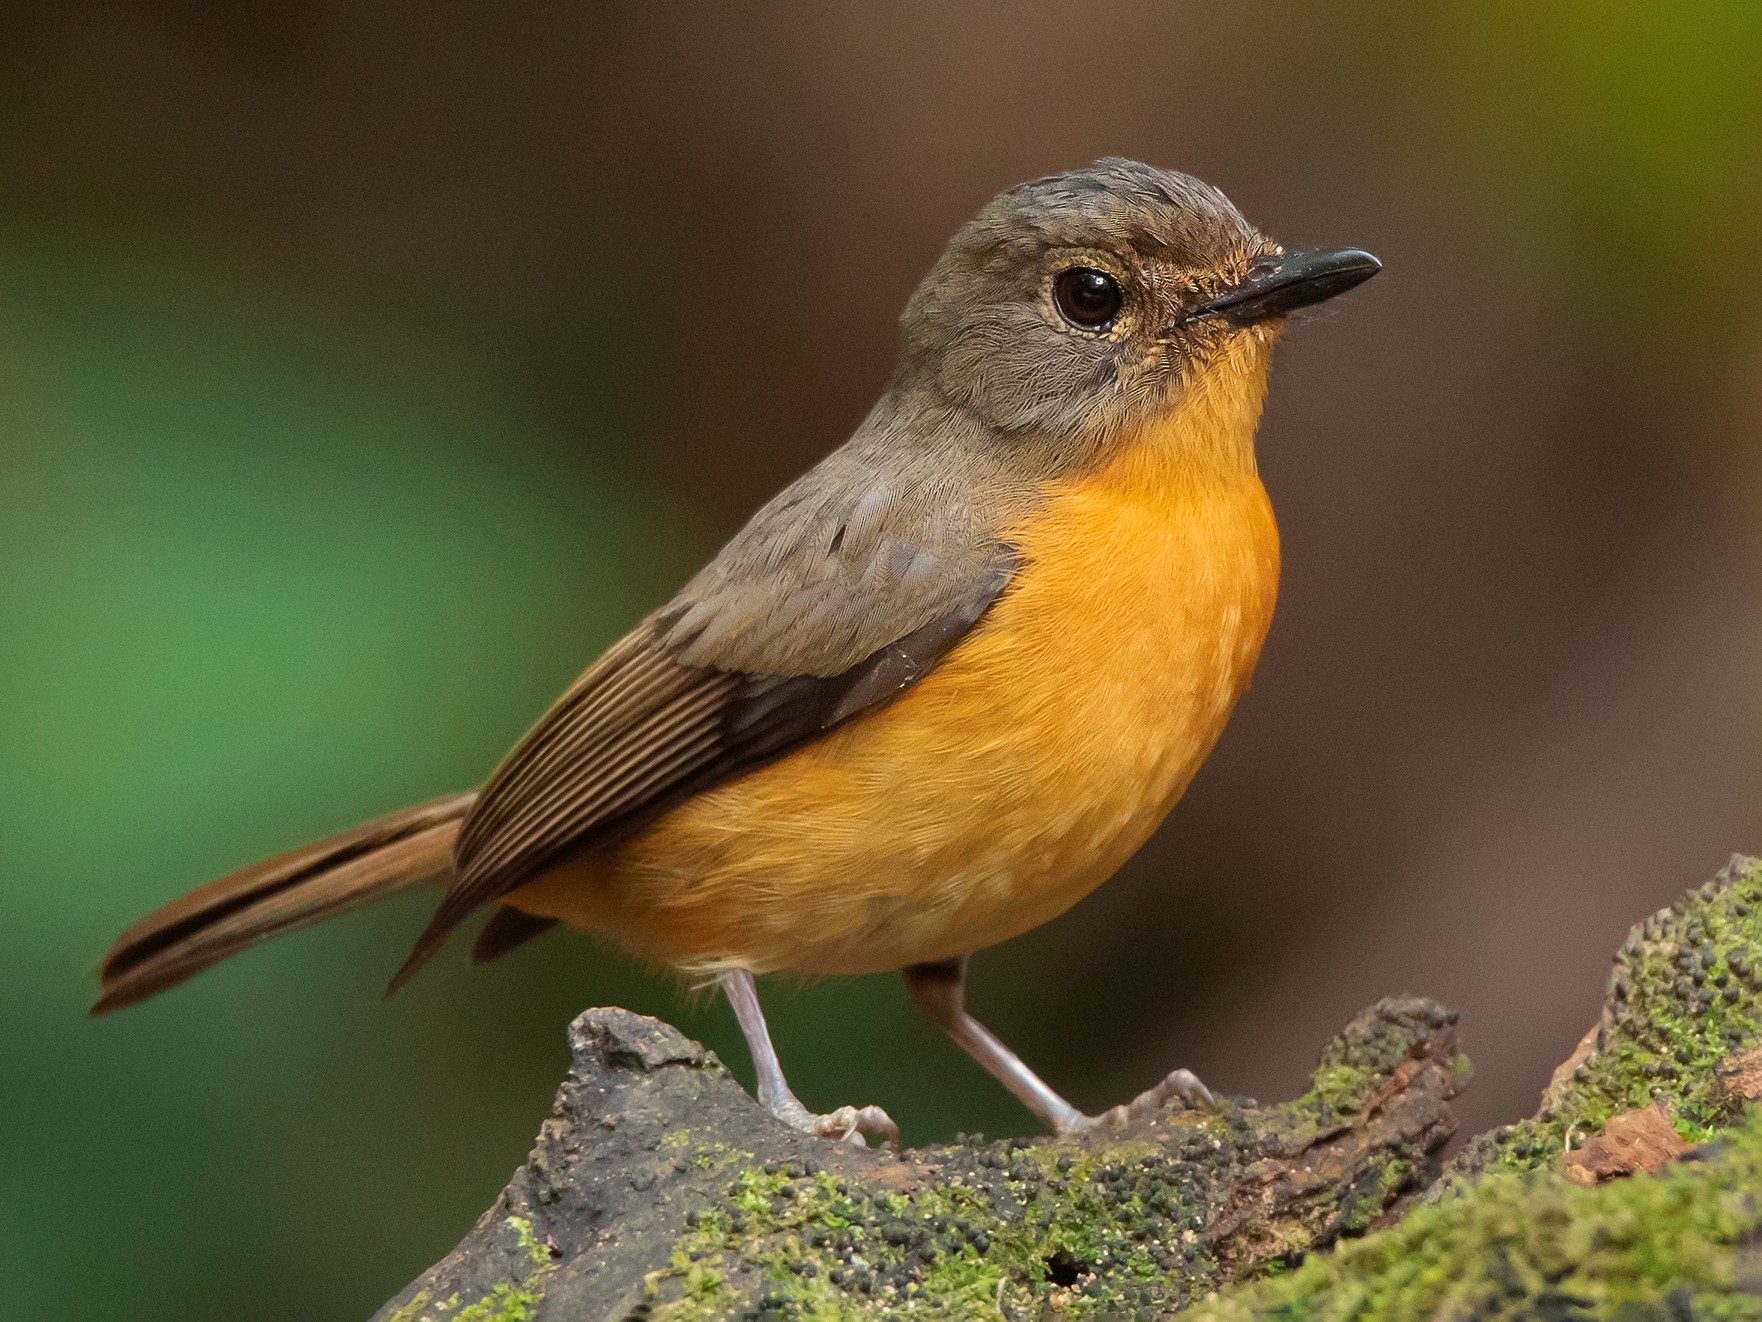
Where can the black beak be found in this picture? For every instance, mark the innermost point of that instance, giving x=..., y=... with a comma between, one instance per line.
x=1277, y=285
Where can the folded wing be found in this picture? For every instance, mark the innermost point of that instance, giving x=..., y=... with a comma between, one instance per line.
x=777, y=641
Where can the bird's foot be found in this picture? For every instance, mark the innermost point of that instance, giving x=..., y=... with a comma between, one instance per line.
x=847, y=1124
x=1180, y=1084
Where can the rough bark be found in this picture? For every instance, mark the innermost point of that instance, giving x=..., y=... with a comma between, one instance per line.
x=1634, y=1192
x=659, y=1189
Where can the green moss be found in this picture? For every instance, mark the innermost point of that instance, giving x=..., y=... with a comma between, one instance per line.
x=1683, y=996
x=1464, y=1072
x=507, y=1301
x=1007, y=1225
x=1361, y=1059
x=1338, y=1086
x=537, y=1254
x=1010, y=1226
x=1508, y=1236
x=1115, y=1229
x=411, y=1311
x=1532, y=1244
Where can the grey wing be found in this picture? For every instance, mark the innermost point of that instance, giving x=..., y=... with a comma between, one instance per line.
x=864, y=549
x=838, y=596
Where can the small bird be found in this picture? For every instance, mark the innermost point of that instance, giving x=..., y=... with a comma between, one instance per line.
x=935, y=692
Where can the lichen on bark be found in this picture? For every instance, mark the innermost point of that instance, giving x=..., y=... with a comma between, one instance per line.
x=1684, y=995
x=658, y=1189
x=1532, y=1244
x=667, y=1193
x=1509, y=1232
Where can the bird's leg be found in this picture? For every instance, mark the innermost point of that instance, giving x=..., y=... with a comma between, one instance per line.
x=846, y=1124
x=940, y=991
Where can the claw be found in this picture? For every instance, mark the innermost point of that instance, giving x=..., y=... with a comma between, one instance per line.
x=847, y=1124
x=1181, y=1084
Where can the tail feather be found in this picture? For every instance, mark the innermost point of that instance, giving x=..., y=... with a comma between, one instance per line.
x=290, y=890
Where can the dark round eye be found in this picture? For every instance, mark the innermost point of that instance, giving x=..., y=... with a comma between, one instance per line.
x=1087, y=298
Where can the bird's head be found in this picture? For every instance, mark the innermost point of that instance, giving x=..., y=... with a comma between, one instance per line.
x=1085, y=304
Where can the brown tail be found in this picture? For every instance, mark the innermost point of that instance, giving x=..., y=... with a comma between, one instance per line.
x=287, y=891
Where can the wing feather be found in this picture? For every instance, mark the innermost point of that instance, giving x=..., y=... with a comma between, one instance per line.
x=840, y=594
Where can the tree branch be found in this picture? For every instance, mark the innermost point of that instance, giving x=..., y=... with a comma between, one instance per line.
x=659, y=1189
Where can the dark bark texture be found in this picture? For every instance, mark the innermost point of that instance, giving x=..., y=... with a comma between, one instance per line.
x=659, y=1189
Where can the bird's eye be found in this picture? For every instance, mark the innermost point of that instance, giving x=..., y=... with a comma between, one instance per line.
x=1087, y=298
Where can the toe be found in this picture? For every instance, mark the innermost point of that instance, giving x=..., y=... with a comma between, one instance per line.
x=1075, y=1125
x=873, y=1120
x=1182, y=1085
x=1186, y=1085
x=1179, y=1085
x=848, y=1124
x=840, y=1126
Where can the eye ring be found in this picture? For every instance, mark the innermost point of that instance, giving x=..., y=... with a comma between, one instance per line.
x=1087, y=298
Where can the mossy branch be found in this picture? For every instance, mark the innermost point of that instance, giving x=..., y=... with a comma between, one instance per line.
x=1548, y=1218
x=658, y=1189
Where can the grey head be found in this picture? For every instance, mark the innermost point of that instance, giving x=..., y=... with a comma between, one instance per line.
x=1076, y=303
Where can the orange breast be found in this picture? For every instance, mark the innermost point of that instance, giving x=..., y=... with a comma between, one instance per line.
x=1003, y=787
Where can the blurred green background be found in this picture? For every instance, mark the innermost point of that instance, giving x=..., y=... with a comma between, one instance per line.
x=365, y=369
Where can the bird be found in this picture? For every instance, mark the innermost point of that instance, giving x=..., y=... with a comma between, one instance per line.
x=933, y=693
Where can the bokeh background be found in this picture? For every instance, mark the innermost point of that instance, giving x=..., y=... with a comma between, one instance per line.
x=364, y=369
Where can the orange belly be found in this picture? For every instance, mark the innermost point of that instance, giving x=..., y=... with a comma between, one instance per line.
x=1007, y=784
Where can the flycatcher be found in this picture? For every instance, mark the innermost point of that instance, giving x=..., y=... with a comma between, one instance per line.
x=935, y=692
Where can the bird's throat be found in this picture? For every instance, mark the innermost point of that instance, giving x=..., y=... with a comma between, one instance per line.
x=1207, y=432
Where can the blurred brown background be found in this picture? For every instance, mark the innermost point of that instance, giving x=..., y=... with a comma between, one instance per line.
x=364, y=369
